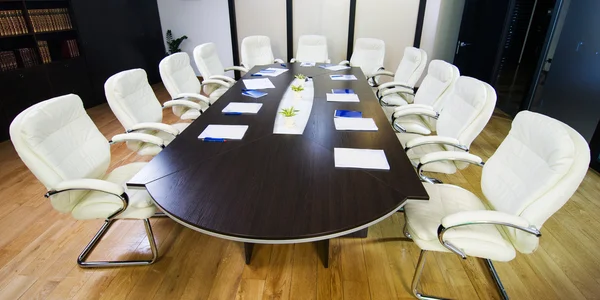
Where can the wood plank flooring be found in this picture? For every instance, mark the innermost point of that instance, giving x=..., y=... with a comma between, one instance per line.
x=39, y=247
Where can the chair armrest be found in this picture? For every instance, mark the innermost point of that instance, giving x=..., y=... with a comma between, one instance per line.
x=154, y=126
x=383, y=73
x=216, y=81
x=414, y=111
x=397, y=90
x=434, y=139
x=482, y=217
x=392, y=84
x=279, y=61
x=344, y=63
x=293, y=60
x=184, y=96
x=413, y=105
x=88, y=184
x=237, y=68
x=444, y=156
x=138, y=137
x=181, y=102
x=222, y=78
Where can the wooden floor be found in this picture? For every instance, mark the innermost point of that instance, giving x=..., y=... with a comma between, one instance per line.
x=39, y=246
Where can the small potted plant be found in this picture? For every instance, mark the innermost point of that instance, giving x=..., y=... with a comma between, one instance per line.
x=297, y=91
x=300, y=79
x=289, y=114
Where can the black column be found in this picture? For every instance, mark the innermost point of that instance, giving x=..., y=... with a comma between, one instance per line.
x=234, y=37
x=420, y=20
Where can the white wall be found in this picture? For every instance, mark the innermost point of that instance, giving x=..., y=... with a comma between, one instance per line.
x=202, y=21
x=393, y=21
x=323, y=17
x=441, y=26
x=263, y=17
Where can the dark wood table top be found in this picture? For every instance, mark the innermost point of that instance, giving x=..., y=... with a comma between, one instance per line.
x=271, y=187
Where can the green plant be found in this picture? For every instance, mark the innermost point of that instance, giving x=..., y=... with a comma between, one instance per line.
x=300, y=76
x=297, y=88
x=174, y=43
x=289, y=112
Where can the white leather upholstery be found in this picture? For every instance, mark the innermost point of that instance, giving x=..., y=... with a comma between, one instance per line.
x=368, y=54
x=409, y=71
x=178, y=77
x=208, y=63
x=436, y=85
x=58, y=142
x=312, y=48
x=533, y=173
x=256, y=51
x=466, y=111
x=132, y=100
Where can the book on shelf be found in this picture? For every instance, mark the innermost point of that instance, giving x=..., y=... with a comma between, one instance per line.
x=70, y=48
x=54, y=19
x=12, y=23
x=28, y=57
x=8, y=61
x=44, y=52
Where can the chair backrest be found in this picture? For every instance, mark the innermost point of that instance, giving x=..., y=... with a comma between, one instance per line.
x=438, y=82
x=534, y=172
x=411, y=66
x=256, y=50
x=467, y=110
x=312, y=48
x=207, y=60
x=58, y=141
x=368, y=54
x=177, y=74
x=132, y=99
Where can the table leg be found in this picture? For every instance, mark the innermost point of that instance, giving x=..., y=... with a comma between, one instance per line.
x=248, y=247
x=323, y=250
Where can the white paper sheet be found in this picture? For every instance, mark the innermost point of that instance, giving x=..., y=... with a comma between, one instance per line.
x=361, y=124
x=277, y=72
x=308, y=64
x=242, y=107
x=258, y=84
x=342, y=77
x=342, y=97
x=337, y=68
x=360, y=158
x=229, y=132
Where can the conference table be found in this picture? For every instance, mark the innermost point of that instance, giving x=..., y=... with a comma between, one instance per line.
x=282, y=188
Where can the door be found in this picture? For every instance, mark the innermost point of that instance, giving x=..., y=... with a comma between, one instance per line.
x=479, y=41
x=570, y=90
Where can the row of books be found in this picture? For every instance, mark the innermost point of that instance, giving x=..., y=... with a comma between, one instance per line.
x=12, y=23
x=8, y=59
x=44, y=20
x=44, y=51
x=70, y=49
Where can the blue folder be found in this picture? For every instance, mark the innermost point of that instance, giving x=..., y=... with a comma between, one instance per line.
x=340, y=113
x=342, y=91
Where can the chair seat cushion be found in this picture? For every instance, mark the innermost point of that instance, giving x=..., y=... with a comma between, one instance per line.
x=414, y=154
x=216, y=94
x=424, y=217
x=414, y=124
x=190, y=114
x=99, y=205
x=395, y=100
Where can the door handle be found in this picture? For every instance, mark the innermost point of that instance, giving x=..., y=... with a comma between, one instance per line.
x=463, y=44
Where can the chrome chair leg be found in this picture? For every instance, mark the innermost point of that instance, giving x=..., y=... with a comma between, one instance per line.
x=417, y=279
x=406, y=233
x=499, y=285
x=104, y=264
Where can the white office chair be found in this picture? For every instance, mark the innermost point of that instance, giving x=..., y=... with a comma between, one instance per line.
x=214, y=83
x=256, y=51
x=133, y=102
x=409, y=71
x=533, y=173
x=182, y=84
x=368, y=54
x=66, y=152
x=436, y=85
x=467, y=110
x=312, y=48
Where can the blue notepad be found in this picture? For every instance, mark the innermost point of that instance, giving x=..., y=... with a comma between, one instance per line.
x=253, y=93
x=342, y=91
x=266, y=71
x=326, y=66
x=340, y=113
